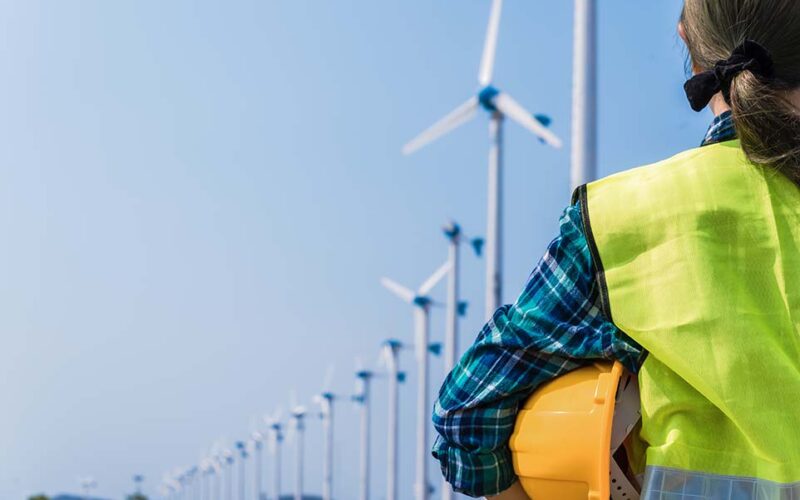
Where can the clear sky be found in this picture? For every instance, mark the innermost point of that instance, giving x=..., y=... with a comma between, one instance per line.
x=198, y=200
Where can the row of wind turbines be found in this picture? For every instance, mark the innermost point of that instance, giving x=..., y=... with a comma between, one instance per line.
x=213, y=478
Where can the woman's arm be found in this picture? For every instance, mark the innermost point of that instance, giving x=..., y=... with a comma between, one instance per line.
x=554, y=327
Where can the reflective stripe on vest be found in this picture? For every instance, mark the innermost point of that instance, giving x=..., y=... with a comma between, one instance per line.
x=661, y=483
x=698, y=261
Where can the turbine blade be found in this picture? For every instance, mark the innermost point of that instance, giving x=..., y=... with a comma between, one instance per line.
x=398, y=289
x=490, y=45
x=451, y=121
x=382, y=360
x=435, y=278
x=512, y=109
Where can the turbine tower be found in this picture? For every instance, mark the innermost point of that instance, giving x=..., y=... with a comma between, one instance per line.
x=584, y=94
x=274, y=424
x=422, y=304
x=363, y=378
x=216, y=466
x=499, y=105
x=227, y=455
x=204, y=479
x=455, y=307
x=138, y=479
x=325, y=401
x=257, y=442
x=298, y=430
x=242, y=447
x=191, y=475
x=389, y=354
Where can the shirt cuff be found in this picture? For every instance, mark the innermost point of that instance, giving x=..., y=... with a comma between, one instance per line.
x=476, y=474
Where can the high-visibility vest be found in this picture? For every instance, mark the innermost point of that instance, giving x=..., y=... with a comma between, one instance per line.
x=698, y=260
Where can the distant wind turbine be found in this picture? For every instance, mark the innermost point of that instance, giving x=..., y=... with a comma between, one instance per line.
x=216, y=471
x=274, y=424
x=422, y=304
x=204, y=470
x=455, y=307
x=227, y=456
x=257, y=443
x=297, y=433
x=389, y=355
x=325, y=401
x=362, y=397
x=88, y=484
x=499, y=105
x=242, y=447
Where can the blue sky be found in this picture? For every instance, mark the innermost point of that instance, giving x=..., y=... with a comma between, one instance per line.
x=198, y=200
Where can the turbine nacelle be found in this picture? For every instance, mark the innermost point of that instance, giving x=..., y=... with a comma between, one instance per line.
x=486, y=97
x=455, y=235
x=393, y=344
x=452, y=230
x=422, y=301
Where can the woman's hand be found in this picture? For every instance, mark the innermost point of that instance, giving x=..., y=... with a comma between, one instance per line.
x=515, y=492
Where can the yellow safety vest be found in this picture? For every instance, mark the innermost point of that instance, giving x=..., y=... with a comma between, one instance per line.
x=698, y=260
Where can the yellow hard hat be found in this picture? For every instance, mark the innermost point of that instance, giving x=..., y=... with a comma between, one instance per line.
x=569, y=441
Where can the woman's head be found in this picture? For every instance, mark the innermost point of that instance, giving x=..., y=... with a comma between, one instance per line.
x=765, y=110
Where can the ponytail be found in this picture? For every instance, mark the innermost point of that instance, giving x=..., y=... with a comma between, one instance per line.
x=751, y=49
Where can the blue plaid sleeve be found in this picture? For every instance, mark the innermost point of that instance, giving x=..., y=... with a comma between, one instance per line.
x=555, y=326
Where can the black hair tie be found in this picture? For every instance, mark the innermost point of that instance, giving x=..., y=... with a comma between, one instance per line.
x=749, y=56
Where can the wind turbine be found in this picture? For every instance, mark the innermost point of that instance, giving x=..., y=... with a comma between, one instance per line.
x=257, y=442
x=227, y=456
x=298, y=413
x=325, y=401
x=206, y=472
x=177, y=479
x=389, y=355
x=361, y=397
x=190, y=475
x=422, y=304
x=138, y=479
x=215, y=461
x=275, y=427
x=455, y=308
x=499, y=105
x=88, y=484
x=171, y=485
x=242, y=447
x=168, y=490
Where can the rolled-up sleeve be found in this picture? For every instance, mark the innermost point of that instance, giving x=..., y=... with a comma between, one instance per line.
x=555, y=326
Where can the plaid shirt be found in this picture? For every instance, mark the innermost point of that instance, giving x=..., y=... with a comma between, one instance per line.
x=555, y=326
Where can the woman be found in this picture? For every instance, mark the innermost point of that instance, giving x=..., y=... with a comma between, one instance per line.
x=687, y=272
